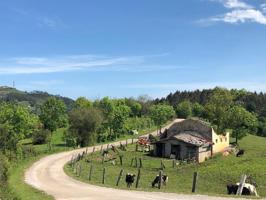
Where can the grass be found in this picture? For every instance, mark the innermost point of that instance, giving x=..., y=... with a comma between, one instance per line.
x=16, y=183
x=214, y=174
x=18, y=187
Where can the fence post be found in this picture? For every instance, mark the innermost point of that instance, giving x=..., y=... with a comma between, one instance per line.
x=121, y=160
x=174, y=163
x=136, y=162
x=93, y=150
x=103, y=181
x=107, y=146
x=101, y=148
x=79, y=172
x=86, y=151
x=194, y=183
x=102, y=159
x=119, y=177
x=140, y=162
x=138, y=177
x=162, y=165
x=136, y=148
x=241, y=185
x=160, y=179
x=90, y=173
x=132, y=141
x=126, y=142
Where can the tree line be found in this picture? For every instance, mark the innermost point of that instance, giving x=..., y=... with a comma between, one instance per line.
x=239, y=111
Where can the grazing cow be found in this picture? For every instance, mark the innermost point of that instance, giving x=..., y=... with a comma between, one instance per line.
x=105, y=153
x=157, y=179
x=130, y=178
x=240, y=153
x=248, y=189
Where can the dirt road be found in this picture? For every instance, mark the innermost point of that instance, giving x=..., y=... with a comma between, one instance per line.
x=48, y=175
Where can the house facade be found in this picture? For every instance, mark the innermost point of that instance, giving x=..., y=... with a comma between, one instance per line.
x=190, y=139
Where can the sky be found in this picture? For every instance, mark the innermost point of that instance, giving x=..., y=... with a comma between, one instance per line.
x=125, y=48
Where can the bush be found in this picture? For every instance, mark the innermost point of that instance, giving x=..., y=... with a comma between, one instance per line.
x=28, y=151
x=41, y=137
x=4, y=164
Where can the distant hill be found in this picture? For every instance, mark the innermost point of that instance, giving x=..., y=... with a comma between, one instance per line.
x=32, y=99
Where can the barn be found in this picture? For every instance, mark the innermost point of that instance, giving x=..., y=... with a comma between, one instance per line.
x=190, y=139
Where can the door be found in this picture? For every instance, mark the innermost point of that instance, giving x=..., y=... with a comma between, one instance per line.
x=176, y=150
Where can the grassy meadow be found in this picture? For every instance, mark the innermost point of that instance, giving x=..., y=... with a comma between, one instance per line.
x=16, y=179
x=214, y=174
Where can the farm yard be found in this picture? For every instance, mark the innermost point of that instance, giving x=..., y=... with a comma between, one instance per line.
x=213, y=175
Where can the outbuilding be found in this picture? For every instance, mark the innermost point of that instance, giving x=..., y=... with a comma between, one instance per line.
x=191, y=139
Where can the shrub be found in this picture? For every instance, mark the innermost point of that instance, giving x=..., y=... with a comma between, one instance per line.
x=41, y=137
x=4, y=164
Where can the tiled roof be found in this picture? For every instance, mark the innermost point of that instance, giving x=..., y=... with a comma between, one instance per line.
x=190, y=137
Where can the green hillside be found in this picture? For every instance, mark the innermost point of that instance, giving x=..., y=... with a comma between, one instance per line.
x=33, y=99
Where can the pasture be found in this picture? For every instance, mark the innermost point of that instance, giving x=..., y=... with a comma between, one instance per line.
x=214, y=174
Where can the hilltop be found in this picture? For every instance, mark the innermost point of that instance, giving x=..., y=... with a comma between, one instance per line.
x=33, y=99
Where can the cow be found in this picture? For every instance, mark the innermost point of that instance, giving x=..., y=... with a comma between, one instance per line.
x=130, y=178
x=157, y=179
x=105, y=153
x=240, y=153
x=248, y=189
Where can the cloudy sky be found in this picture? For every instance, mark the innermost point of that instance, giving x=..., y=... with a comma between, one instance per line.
x=127, y=48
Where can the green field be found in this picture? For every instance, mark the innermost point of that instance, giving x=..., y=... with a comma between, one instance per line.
x=214, y=174
x=23, y=191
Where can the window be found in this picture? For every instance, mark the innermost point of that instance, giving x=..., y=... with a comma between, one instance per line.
x=216, y=140
x=225, y=139
x=221, y=139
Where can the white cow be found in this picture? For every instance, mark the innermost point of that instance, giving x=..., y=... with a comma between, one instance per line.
x=251, y=188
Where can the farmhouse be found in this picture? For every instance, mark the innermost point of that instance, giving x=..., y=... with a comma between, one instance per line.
x=190, y=139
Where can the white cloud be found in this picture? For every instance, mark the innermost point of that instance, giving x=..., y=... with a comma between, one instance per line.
x=236, y=4
x=263, y=7
x=33, y=65
x=240, y=12
x=241, y=16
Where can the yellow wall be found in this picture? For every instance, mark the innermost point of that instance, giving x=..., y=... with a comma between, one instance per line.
x=220, y=142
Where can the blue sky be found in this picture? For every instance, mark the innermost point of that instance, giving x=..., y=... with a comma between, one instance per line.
x=124, y=48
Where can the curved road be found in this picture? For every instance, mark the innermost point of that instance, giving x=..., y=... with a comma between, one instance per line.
x=48, y=175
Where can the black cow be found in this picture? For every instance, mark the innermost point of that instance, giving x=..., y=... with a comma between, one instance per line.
x=248, y=189
x=130, y=178
x=240, y=153
x=157, y=179
x=105, y=153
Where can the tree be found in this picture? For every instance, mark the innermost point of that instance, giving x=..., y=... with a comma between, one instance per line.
x=135, y=107
x=217, y=108
x=16, y=123
x=262, y=127
x=82, y=102
x=184, y=110
x=83, y=125
x=161, y=113
x=41, y=136
x=241, y=122
x=121, y=113
x=53, y=114
x=198, y=110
